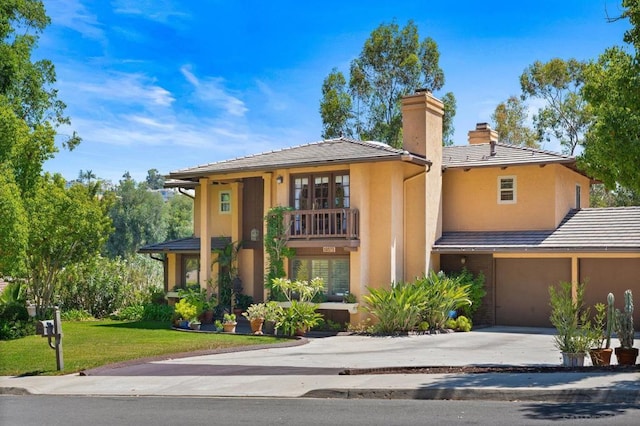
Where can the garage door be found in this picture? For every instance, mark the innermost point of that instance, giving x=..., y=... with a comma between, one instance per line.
x=522, y=289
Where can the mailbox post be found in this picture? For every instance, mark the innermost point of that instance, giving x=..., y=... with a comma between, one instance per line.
x=52, y=329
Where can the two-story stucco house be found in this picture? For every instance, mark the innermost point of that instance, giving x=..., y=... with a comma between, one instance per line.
x=365, y=214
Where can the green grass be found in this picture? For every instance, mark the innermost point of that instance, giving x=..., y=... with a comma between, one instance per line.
x=92, y=344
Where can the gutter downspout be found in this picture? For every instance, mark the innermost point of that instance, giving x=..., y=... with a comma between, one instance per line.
x=404, y=216
x=181, y=190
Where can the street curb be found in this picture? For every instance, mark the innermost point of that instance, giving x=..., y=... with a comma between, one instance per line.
x=481, y=394
x=14, y=391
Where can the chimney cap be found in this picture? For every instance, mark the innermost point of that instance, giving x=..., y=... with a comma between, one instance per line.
x=482, y=126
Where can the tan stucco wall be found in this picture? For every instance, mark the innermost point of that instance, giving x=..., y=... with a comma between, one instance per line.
x=544, y=196
x=566, y=181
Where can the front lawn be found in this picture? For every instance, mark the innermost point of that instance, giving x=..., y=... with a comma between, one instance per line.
x=95, y=343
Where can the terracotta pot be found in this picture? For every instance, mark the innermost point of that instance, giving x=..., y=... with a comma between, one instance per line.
x=626, y=356
x=601, y=356
x=256, y=326
x=229, y=327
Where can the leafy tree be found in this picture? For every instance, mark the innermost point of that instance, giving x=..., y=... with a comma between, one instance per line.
x=566, y=115
x=509, y=118
x=178, y=217
x=29, y=115
x=612, y=87
x=26, y=85
x=154, y=179
x=600, y=196
x=66, y=226
x=137, y=218
x=335, y=107
x=392, y=64
x=13, y=226
x=449, y=104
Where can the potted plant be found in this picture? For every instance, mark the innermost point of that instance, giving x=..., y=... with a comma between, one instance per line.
x=255, y=314
x=272, y=312
x=194, y=323
x=301, y=315
x=186, y=311
x=243, y=301
x=229, y=323
x=626, y=354
x=601, y=333
x=218, y=325
x=571, y=322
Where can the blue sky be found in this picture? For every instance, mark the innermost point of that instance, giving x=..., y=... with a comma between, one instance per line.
x=169, y=84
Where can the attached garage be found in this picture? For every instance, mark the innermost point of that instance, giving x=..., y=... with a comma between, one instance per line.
x=522, y=289
x=600, y=247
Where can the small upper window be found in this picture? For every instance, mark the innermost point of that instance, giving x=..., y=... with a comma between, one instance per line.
x=507, y=190
x=578, y=197
x=225, y=201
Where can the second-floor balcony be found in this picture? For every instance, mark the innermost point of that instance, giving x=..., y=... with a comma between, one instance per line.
x=323, y=224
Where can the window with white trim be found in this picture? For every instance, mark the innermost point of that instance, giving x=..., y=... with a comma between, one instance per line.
x=225, y=201
x=507, y=190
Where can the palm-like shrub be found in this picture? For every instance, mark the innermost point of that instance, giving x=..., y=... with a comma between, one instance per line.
x=398, y=309
x=428, y=300
x=442, y=295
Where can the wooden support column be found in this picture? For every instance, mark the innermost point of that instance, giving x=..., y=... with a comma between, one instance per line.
x=575, y=276
x=205, y=231
x=267, y=180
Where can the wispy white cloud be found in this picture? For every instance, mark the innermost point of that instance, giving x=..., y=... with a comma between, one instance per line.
x=163, y=11
x=212, y=91
x=74, y=15
x=124, y=88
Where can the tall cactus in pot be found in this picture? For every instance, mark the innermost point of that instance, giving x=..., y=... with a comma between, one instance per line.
x=610, y=318
x=626, y=353
x=624, y=322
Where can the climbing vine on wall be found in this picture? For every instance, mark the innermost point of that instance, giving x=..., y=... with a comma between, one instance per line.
x=275, y=246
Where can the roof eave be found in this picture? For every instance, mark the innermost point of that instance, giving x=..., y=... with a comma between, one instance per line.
x=185, y=176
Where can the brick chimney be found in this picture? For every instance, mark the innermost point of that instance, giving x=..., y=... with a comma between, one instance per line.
x=482, y=134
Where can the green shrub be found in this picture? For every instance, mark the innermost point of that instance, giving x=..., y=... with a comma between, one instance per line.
x=186, y=310
x=14, y=311
x=15, y=329
x=76, y=315
x=397, y=309
x=423, y=326
x=102, y=286
x=451, y=324
x=442, y=295
x=476, y=291
x=154, y=312
x=130, y=313
x=463, y=324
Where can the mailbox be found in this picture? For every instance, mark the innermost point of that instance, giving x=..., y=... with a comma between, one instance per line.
x=45, y=328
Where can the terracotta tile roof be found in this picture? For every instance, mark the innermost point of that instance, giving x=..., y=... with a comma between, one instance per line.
x=184, y=245
x=332, y=151
x=478, y=155
x=603, y=229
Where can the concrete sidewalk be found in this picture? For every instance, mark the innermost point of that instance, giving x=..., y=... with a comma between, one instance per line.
x=312, y=370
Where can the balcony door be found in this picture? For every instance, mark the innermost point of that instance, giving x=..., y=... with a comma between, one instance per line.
x=320, y=192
